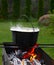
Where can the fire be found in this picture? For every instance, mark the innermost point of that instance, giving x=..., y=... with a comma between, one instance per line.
x=33, y=57
x=28, y=58
x=31, y=52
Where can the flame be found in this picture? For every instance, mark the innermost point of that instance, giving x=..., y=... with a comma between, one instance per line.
x=33, y=56
x=23, y=62
x=30, y=52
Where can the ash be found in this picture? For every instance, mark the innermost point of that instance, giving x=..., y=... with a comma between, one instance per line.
x=15, y=58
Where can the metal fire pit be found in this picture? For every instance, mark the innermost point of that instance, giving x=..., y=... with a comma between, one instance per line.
x=6, y=51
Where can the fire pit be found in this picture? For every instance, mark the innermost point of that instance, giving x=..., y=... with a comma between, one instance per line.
x=24, y=50
x=37, y=56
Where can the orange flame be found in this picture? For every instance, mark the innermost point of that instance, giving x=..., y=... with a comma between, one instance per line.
x=30, y=52
x=33, y=56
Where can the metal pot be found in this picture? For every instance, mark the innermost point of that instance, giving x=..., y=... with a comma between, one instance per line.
x=24, y=37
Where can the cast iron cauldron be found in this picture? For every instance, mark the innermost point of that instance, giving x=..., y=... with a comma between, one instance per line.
x=24, y=37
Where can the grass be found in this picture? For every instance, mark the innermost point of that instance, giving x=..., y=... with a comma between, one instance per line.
x=45, y=37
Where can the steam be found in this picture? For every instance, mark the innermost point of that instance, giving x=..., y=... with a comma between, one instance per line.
x=19, y=27
x=24, y=29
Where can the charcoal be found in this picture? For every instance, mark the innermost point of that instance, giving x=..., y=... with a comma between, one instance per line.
x=16, y=61
x=37, y=62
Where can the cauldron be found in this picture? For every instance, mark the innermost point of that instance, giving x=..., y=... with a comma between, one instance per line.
x=24, y=37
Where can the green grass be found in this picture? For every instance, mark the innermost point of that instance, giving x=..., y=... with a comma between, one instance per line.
x=45, y=36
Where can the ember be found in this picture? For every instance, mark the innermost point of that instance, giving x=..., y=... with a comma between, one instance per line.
x=20, y=57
